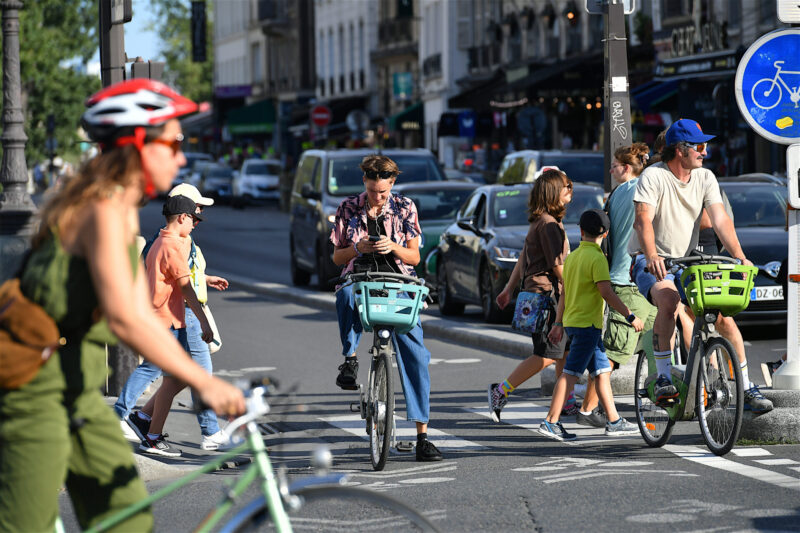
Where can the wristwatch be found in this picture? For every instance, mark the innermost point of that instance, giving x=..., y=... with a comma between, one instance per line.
x=630, y=318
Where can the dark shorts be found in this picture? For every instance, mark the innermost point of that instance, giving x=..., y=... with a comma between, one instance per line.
x=645, y=280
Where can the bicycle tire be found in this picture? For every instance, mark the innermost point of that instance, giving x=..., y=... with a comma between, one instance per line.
x=654, y=422
x=382, y=407
x=255, y=516
x=720, y=401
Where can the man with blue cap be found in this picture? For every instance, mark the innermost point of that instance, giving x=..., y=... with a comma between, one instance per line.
x=670, y=198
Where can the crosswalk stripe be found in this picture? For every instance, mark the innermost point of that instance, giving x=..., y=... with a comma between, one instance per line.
x=750, y=452
x=406, y=430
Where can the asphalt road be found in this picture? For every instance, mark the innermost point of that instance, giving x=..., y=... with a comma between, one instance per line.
x=494, y=476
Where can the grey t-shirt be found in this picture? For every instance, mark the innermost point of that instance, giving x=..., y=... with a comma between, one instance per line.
x=677, y=206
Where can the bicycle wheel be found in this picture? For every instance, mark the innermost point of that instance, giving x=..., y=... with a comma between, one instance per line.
x=337, y=508
x=719, y=396
x=766, y=94
x=655, y=424
x=382, y=406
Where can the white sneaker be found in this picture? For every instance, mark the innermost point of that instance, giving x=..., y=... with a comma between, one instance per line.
x=220, y=441
x=128, y=432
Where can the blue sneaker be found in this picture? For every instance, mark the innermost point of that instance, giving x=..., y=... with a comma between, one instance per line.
x=755, y=401
x=555, y=430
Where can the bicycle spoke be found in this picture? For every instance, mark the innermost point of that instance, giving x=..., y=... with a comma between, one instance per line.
x=720, y=396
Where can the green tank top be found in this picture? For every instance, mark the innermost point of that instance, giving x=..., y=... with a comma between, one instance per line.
x=62, y=284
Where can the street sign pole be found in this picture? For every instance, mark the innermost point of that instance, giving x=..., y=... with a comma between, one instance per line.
x=787, y=377
x=617, y=114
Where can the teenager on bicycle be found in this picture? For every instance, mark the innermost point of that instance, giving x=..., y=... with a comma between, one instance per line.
x=392, y=220
x=57, y=430
x=670, y=198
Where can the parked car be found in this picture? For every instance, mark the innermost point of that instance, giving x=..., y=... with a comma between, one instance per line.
x=454, y=174
x=478, y=252
x=197, y=171
x=323, y=179
x=525, y=165
x=258, y=179
x=759, y=215
x=215, y=181
x=185, y=171
x=437, y=204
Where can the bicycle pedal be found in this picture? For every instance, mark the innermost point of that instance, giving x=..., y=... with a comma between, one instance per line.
x=667, y=402
x=355, y=407
x=404, y=446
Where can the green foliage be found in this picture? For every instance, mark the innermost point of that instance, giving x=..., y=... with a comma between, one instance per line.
x=173, y=25
x=54, y=35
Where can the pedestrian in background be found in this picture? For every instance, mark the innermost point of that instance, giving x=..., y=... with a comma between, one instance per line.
x=539, y=267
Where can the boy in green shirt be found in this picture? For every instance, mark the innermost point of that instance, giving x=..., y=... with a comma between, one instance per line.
x=586, y=284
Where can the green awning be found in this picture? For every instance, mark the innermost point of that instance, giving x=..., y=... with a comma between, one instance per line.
x=409, y=119
x=257, y=118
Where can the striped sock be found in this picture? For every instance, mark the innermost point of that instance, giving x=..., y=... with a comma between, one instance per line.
x=664, y=363
x=506, y=388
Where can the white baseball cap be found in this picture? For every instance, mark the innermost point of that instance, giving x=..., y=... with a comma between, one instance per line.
x=191, y=192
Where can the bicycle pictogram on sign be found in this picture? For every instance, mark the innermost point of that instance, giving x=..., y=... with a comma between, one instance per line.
x=767, y=92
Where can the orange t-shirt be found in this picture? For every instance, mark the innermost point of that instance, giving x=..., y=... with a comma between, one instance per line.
x=166, y=263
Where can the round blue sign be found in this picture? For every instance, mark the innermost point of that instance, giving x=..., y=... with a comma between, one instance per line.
x=768, y=86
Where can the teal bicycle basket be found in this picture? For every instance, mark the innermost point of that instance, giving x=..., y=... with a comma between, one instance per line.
x=381, y=303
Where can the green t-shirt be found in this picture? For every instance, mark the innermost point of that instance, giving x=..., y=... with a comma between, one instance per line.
x=583, y=268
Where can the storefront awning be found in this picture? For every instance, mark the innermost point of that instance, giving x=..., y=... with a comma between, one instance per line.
x=409, y=119
x=253, y=119
x=716, y=64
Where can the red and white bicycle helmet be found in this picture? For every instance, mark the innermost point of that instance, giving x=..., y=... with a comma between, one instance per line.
x=131, y=103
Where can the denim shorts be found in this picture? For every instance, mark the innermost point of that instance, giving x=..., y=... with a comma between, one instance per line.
x=645, y=280
x=586, y=351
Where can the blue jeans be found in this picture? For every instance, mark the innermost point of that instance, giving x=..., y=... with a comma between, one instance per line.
x=586, y=351
x=412, y=356
x=191, y=340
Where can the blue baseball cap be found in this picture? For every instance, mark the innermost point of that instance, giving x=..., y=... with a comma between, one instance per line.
x=686, y=130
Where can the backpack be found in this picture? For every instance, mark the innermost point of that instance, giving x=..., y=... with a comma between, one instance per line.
x=606, y=245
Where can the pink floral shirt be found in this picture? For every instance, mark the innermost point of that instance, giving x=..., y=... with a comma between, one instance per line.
x=400, y=222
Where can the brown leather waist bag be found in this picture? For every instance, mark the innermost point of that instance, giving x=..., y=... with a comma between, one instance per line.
x=28, y=336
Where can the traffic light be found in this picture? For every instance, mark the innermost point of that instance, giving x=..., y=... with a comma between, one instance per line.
x=147, y=69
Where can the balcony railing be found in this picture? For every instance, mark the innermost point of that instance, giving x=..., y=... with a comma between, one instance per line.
x=432, y=66
x=482, y=57
x=394, y=31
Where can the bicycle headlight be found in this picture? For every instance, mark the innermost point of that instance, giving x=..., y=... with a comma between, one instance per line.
x=384, y=334
x=507, y=255
x=710, y=317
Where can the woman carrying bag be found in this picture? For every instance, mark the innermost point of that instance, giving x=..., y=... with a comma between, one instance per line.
x=538, y=271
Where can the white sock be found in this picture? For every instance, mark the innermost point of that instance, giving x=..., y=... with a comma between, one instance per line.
x=143, y=416
x=586, y=413
x=745, y=376
x=664, y=363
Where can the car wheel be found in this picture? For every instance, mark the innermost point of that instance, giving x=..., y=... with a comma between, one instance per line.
x=323, y=274
x=446, y=304
x=491, y=312
x=300, y=277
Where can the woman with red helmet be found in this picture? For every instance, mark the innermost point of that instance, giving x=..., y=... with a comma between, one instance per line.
x=84, y=270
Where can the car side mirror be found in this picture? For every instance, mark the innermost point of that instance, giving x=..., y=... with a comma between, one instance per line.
x=468, y=224
x=307, y=192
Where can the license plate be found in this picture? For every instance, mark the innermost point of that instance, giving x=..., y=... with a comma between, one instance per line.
x=762, y=294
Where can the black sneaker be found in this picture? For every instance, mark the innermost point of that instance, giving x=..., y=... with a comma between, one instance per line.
x=159, y=447
x=427, y=452
x=139, y=425
x=594, y=419
x=497, y=400
x=348, y=372
x=664, y=390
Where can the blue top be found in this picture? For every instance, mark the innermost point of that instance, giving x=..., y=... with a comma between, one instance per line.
x=621, y=211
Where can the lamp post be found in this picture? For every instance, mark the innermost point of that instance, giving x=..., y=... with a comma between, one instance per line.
x=16, y=207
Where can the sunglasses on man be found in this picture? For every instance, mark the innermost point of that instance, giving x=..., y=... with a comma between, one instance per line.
x=697, y=147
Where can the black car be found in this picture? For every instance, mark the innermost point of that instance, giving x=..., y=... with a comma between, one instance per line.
x=478, y=252
x=323, y=179
x=759, y=215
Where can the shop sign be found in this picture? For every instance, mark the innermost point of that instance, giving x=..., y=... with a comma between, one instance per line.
x=402, y=85
x=687, y=41
x=696, y=66
x=767, y=86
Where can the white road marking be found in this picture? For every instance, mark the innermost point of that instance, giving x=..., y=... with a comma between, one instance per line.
x=438, y=467
x=776, y=462
x=704, y=457
x=583, y=468
x=425, y=480
x=749, y=452
x=795, y=468
x=462, y=361
x=405, y=431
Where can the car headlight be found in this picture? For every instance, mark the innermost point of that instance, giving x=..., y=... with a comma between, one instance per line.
x=772, y=268
x=508, y=255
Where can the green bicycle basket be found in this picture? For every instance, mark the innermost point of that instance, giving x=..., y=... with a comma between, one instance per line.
x=378, y=303
x=724, y=287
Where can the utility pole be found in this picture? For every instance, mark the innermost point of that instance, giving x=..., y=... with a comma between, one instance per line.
x=17, y=210
x=617, y=129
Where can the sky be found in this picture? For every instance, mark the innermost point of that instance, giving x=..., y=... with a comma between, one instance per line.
x=139, y=41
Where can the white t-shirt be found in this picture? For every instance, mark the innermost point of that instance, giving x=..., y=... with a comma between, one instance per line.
x=677, y=205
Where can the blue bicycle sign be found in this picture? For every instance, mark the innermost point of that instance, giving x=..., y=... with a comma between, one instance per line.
x=768, y=86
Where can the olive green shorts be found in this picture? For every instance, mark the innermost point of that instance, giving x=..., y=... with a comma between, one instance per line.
x=620, y=339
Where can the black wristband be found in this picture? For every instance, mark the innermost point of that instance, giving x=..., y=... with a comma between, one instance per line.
x=630, y=318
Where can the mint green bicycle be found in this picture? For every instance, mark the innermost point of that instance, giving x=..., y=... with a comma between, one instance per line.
x=710, y=383
x=322, y=502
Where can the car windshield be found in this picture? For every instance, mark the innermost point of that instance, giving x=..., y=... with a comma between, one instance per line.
x=510, y=207
x=220, y=172
x=580, y=168
x=757, y=205
x=582, y=199
x=345, y=176
x=261, y=169
x=437, y=205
